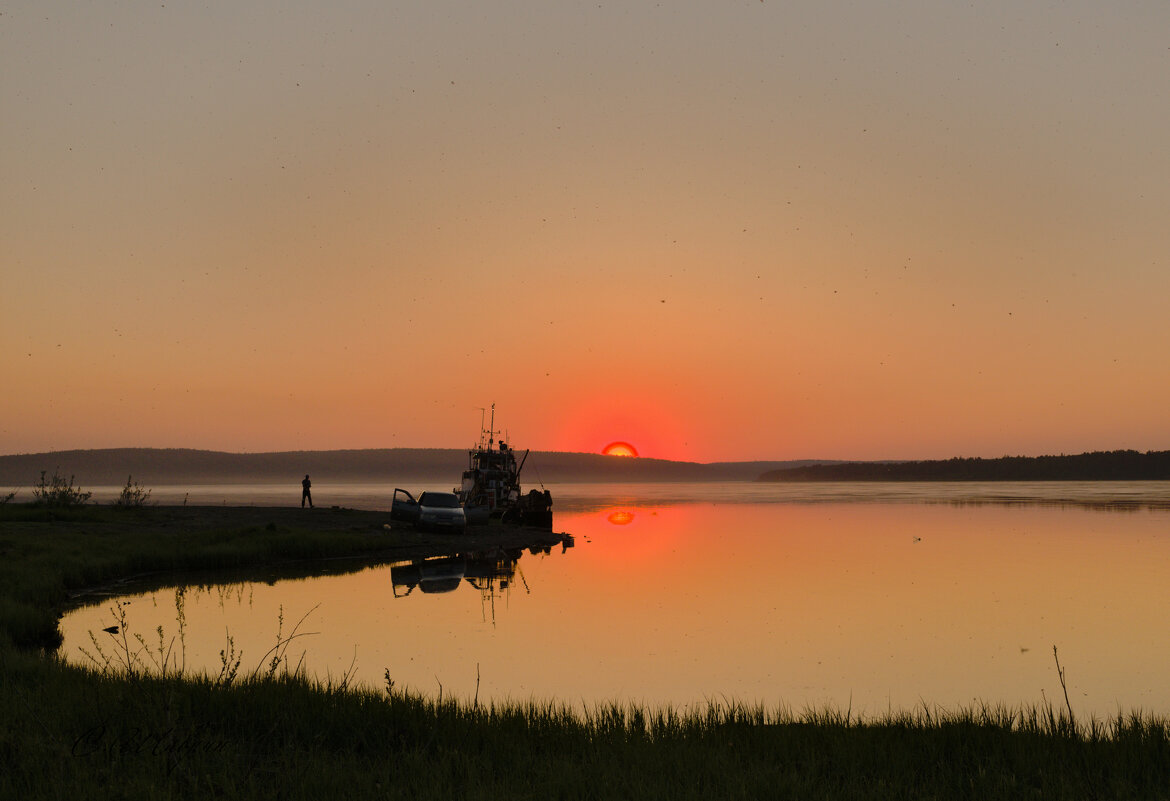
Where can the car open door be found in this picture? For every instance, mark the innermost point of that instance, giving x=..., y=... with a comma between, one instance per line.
x=404, y=508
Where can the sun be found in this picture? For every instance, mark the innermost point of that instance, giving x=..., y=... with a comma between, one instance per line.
x=619, y=449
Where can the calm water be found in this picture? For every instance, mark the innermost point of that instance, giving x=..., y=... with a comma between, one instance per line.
x=870, y=595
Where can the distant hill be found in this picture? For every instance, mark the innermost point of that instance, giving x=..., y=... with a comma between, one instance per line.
x=1096, y=466
x=159, y=466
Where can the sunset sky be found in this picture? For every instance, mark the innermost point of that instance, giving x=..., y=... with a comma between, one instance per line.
x=713, y=230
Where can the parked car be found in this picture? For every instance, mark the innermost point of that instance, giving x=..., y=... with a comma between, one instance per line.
x=438, y=511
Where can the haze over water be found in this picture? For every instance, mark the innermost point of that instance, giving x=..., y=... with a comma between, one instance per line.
x=813, y=599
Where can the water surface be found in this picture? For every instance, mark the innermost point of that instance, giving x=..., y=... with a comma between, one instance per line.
x=869, y=596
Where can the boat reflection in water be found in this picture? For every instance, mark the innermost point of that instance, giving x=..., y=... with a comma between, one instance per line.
x=489, y=570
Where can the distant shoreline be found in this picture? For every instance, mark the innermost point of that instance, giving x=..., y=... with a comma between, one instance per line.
x=178, y=466
x=1095, y=466
x=157, y=467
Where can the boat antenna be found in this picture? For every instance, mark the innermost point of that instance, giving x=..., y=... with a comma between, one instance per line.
x=492, y=430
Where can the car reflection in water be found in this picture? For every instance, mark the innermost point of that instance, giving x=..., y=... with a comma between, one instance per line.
x=489, y=571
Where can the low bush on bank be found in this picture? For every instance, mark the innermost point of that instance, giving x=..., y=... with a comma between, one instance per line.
x=133, y=495
x=58, y=493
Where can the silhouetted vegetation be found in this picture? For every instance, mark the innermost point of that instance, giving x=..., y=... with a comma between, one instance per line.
x=58, y=493
x=133, y=496
x=1096, y=466
x=72, y=733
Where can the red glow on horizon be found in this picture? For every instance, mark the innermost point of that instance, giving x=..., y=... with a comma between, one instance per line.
x=620, y=449
x=643, y=419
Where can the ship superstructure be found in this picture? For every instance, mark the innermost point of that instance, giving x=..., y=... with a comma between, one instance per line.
x=490, y=490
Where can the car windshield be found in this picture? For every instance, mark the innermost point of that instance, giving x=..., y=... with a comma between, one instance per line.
x=443, y=500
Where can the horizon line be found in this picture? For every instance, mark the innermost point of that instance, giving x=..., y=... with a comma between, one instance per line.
x=575, y=453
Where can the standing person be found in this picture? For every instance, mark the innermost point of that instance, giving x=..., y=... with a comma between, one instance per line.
x=305, y=494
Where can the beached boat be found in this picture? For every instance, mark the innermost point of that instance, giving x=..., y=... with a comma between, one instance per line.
x=491, y=491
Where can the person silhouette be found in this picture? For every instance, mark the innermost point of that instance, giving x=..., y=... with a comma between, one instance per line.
x=305, y=494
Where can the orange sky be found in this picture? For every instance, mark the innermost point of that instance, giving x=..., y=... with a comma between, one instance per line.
x=715, y=231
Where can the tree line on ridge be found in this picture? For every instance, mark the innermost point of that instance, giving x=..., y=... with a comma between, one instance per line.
x=1124, y=465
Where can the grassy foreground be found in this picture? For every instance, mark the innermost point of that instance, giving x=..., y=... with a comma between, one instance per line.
x=72, y=733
